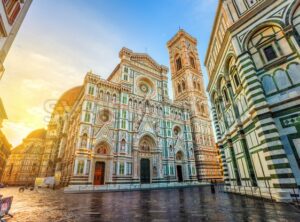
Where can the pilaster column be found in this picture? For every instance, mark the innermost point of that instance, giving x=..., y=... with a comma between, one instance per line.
x=234, y=163
x=135, y=164
x=224, y=164
x=248, y=159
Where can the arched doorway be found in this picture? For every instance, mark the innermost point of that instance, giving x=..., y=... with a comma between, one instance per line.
x=146, y=145
x=102, y=150
x=179, y=172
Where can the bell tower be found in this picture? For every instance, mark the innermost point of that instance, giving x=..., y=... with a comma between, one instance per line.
x=187, y=78
x=188, y=87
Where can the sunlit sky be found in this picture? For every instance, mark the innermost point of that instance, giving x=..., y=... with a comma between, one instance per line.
x=60, y=41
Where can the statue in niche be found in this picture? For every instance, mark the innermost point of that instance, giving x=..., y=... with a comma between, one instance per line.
x=191, y=152
x=145, y=146
x=154, y=171
x=84, y=140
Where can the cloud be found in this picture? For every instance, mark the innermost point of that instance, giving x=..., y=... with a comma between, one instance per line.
x=16, y=131
x=50, y=57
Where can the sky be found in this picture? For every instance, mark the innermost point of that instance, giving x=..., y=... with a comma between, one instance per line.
x=60, y=41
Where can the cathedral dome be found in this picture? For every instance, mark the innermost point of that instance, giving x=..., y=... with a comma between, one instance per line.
x=37, y=134
x=68, y=98
x=18, y=149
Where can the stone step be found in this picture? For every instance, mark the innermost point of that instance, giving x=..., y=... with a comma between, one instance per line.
x=129, y=187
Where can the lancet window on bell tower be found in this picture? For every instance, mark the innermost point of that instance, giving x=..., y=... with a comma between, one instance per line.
x=178, y=63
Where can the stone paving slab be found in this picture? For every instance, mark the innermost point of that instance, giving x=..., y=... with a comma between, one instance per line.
x=188, y=204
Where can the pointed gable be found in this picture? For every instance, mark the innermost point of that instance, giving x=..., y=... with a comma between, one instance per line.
x=147, y=126
x=143, y=59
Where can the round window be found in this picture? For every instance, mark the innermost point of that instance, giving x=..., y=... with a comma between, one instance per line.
x=144, y=88
x=104, y=116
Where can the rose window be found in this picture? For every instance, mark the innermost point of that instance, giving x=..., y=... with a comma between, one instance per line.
x=104, y=116
x=144, y=88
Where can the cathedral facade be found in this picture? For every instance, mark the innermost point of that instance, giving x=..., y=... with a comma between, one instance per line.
x=254, y=75
x=125, y=129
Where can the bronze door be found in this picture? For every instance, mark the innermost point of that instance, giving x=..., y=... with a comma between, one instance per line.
x=145, y=171
x=99, y=173
x=179, y=173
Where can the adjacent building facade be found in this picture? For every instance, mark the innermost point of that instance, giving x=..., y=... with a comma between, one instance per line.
x=12, y=13
x=24, y=164
x=4, y=144
x=126, y=130
x=254, y=86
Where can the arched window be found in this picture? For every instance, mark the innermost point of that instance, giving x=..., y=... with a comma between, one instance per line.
x=198, y=86
x=282, y=79
x=123, y=144
x=294, y=73
x=262, y=45
x=268, y=85
x=225, y=94
x=135, y=104
x=179, y=88
x=195, y=85
x=202, y=109
x=233, y=71
x=178, y=64
x=130, y=103
x=114, y=98
x=84, y=141
x=192, y=62
x=108, y=96
x=236, y=79
x=183, y=85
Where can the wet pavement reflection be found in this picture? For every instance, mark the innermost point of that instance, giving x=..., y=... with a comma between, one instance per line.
x=189, y=204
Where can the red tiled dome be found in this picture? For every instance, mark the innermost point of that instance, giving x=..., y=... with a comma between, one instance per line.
x=68, y=98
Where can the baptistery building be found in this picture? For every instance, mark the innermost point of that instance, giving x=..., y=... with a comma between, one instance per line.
x=254, y=85
x=125, y=129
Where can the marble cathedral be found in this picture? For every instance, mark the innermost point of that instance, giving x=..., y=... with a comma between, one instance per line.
x=125, y=129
